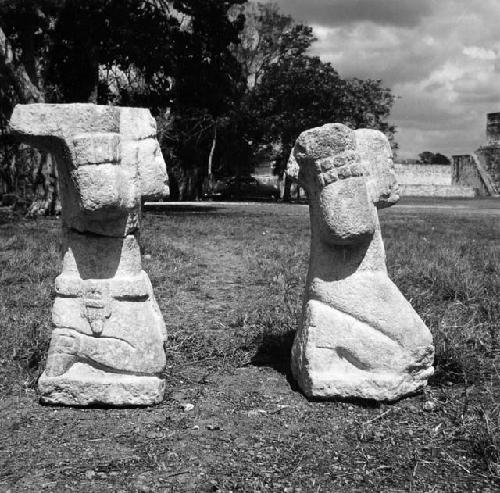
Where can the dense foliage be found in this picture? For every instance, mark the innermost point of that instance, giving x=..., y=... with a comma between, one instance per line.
x=230, y=83
x=428, y=157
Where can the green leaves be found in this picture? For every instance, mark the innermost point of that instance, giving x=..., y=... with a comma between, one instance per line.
x=428, y=157
x=137, y=38
x=300, y=92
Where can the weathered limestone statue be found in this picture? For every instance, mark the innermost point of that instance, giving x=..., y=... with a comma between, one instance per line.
x=359, y=337
x=107, y=344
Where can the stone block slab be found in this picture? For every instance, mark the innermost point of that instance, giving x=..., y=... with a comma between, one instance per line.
x=86, y=386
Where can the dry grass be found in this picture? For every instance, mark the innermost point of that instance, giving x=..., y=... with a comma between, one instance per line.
x=229, y=284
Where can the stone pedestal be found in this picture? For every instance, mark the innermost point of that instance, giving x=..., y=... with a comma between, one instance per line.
x=107, y=343
x=359, y=337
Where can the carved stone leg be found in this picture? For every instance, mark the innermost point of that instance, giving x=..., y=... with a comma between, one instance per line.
x=63, y=351
x=359, y=337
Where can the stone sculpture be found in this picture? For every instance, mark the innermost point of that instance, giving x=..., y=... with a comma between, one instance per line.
x=107, y=343
x=359, y=337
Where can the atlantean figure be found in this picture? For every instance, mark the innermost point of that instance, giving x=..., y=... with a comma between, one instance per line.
x=107, y=342
x=359, y=337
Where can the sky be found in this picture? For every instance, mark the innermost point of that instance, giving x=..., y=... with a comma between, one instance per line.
x=439, y=57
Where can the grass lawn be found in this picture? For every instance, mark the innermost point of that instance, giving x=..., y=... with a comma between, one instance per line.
x=229, y=283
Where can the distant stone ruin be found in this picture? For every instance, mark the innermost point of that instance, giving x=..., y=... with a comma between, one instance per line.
x=107, y=342
x=358, y=337
x=471, y=175
x=430, y=180
x=481, y=169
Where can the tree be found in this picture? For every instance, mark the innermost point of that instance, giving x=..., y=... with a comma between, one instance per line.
x=24, y=34
x=267, y=37
x=367, y=104
x=208, y=84
x=155, y=53
x=24, y=25
x=16, y=80
x=223, y=91
x=96, y=38
x=301, y=92
x=441, y=159
x=68, y=51
x=295, y=94
x=428, y=157
x=289, y=91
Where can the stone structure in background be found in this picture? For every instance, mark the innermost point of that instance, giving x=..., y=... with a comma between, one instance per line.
x=430, y=180
x=359, y=337
x=107, y=342
x=481, y=169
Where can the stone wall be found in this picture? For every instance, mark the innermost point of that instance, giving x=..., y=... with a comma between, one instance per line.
x=429, y=180
x=423, y=174
x=465, y=173
x=481, y=169
x=444, y=191
x=493, y=128
x=489, y=158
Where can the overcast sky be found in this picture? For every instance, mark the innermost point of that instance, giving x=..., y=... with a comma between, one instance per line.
x=441, y=57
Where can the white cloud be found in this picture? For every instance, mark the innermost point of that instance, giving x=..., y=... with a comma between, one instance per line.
x=479, y=53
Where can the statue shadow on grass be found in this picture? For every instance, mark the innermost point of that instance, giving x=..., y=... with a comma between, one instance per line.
x=274, y=351
x=179, y=209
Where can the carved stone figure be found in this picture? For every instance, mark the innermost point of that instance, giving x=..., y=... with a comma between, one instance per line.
x=359, y=337
x=107, y=342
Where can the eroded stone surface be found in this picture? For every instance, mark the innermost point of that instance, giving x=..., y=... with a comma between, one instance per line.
x=359, y=337
x=107, y=342
x=85, y=385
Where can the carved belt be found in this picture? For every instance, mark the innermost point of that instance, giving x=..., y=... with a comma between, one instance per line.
x=96, y=308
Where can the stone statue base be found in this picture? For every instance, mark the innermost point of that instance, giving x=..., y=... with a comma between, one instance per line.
x=378, y=387
x=336, y=355
x=84, y=385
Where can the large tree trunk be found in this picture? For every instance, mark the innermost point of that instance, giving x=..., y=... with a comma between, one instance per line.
x=51, y=186
x=208, y=182
x=173, y=185
x=287, y=188
x=189, y=184
x=28, y=58
x=282, y=165
x=211, y=159
x=23, y=78
x=17, y=75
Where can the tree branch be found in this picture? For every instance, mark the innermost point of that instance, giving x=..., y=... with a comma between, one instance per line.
x=17, y=74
